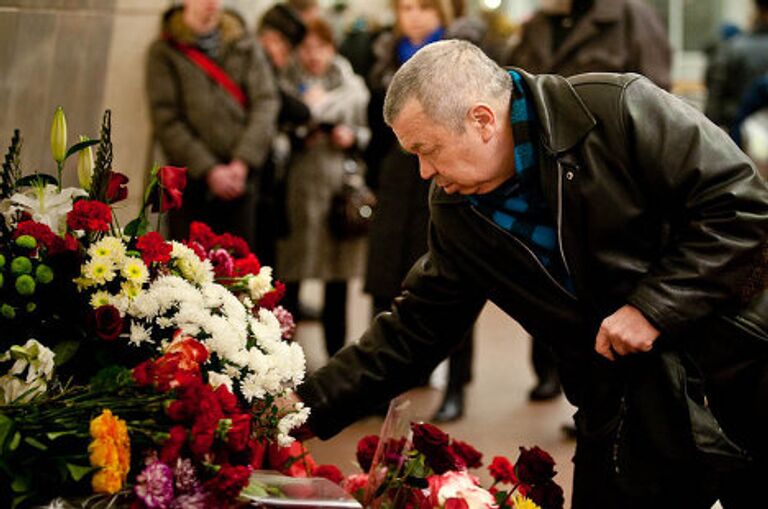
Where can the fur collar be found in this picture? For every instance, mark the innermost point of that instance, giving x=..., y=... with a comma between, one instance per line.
x=231, y=27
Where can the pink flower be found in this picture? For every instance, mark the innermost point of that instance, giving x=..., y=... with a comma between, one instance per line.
x=355, y=485
x=460, y=485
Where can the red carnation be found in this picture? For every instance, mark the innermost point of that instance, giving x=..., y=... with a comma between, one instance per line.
x=227, y=484
x=248, y=265
x=107, y=322
x=197, y=248
x=227, y=400
x=273, y=297
x=502, y=470
x=154, y=248
x=471, y=456
x=172, y=446
x=41, y=232
x=534, y=466
x=366, y=448
x=171, y=184
x=202, y=234
x=65, y=244
x=223, y=265
x=89, y=215
x=116, y=187
x=234, y=244
x=142, y=374
x=330, y=472
x=240, y=432
x=456, y=503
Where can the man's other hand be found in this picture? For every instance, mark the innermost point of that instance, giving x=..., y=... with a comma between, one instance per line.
x=625, y=331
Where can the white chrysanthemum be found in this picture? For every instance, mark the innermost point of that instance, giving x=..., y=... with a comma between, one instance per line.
x=135, y=271
x=190, y=266
x=217, y=379
x=139, y=334
x=261, y=284
x=289, y=422
x=121, y=303
x=111, y=248
x=99, y=270
x=266, y=328
x=100, y=298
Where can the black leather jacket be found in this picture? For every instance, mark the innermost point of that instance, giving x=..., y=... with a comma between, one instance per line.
x=653, y=204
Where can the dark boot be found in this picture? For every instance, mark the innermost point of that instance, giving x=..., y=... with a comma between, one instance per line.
x=546, y=388
x=452, y=408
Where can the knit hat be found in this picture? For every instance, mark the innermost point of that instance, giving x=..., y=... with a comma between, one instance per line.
x=286, y=21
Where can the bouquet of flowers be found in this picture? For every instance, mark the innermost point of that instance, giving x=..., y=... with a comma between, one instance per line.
x=131, y=365
x=432, y=471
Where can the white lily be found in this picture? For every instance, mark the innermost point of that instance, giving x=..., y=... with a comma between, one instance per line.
x=46, y=204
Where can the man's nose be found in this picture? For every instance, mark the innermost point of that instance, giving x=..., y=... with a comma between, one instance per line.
x=426, y=170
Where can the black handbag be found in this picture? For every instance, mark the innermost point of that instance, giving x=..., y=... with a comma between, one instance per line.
x=352, y=206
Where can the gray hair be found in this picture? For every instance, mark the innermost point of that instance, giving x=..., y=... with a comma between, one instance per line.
x=447, y=77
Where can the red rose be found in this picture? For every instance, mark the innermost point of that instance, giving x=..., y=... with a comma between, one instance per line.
x=456, y=503
x=89, y=215
x=427, y=438
x=116, y=187
x=239, y=433
x=172, y=446
x=247, y=265
x=547, y=495
x=471, y=456
x=171, y=184
x=202, y=234
x=330, y=472
x=366, y=448
x=444, y=460
x=154, y=248
x=534, y=466
x=227, y=485
x=502, y=470
x=107, y=323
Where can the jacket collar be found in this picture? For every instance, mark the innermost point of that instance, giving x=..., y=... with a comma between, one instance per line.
x=231, y=27
x=564, y=120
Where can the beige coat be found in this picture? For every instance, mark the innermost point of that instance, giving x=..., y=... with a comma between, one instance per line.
x=613, y=36
x=310, y=250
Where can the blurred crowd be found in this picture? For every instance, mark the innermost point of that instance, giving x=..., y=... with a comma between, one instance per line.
x=273, y=124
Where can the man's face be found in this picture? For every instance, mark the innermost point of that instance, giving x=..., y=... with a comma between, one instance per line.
x=465, y=163
x=202, y=15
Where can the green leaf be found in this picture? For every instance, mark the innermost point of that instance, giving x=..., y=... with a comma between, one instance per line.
x=6, y=427
x=20, y=484
x=77, y=147
x=137, y=227
x=78, y=471
x=18, y=500
x=64, y=351
x=36, y=179
x=58, y=434
x=15, y=441
x=36, y=443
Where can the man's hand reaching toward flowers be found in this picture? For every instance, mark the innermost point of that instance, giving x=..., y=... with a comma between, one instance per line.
x=286, y=405
x=625, y=331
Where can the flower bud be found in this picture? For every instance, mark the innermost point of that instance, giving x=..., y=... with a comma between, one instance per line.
x=43, y=274
x=26, y=241
x=85, y=166
x=59, y=136
x=25, y=285
x=31, y=306
x=2, y=261
x=21, y=265
x=8, y=311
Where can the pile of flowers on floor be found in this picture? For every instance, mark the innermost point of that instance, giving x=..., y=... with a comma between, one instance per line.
x=432, y=471
x=130, y=365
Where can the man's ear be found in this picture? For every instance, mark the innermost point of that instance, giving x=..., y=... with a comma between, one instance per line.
x=482, y=117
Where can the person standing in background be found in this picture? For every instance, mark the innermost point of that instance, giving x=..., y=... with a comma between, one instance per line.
x=337, y=98
x=736, y=64
x=213, y=107
x=570, y=37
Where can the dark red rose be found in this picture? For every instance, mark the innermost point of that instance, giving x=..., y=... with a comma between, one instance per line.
x=502, y=470
x=171, y=184
x=226, y=485
x=154, y=248
x=330, y=472
x=240, y=432
x=444, y=460
x=471, y=456
x=534, y=466
x=456, y=503
x=428, y=438
x=107, y=322
x=548, y=495
x=393, y=451
x=116, y=187
x=366, y=448
x=89, y=215
x=172, y=446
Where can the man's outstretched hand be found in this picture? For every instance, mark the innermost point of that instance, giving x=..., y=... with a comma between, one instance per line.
x=625, y=331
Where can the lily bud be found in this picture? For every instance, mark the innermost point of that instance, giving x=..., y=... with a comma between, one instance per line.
x=59, y=136
x=85, y=166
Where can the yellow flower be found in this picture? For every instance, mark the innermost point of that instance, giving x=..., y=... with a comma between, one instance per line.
x=111, y=451
x=108, y=247
x=130, y=290
x=521, y=502
x=135, y=271
x=99, y=270
x=100, y=298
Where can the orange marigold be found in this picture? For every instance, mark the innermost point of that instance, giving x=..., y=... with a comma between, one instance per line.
x=110, y=450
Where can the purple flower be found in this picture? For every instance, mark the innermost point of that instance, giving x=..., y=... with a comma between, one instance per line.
x=155, y=486
x=287, y=325
x=185, y=477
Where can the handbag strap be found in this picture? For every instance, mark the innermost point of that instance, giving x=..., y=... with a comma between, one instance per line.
x=213, y=70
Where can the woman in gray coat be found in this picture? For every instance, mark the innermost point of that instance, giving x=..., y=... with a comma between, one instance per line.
x=337, y=99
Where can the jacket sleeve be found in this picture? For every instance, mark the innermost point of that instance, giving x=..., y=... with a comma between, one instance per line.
x=435, y=310
x=264, y=103
x=179, y=142
x=717, y=203
x=651, y=52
